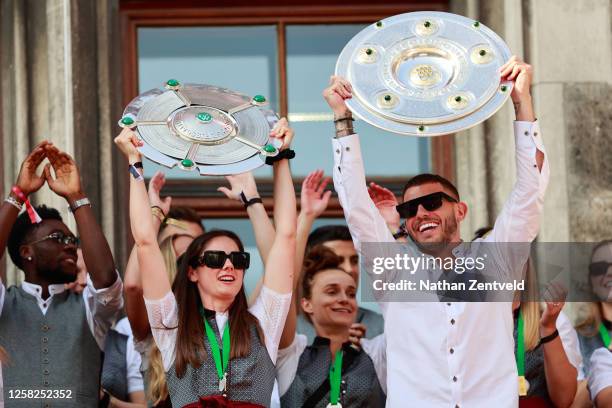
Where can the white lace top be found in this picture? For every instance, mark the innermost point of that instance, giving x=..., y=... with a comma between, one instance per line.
x=270, y=309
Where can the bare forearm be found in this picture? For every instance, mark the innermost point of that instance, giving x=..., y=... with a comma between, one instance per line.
x=262, y=228
x=560, y=374
x=604, y=398
x=97, y=255
x=8, y=216
x=524, y=110
x=304, y=225
x=285, y=212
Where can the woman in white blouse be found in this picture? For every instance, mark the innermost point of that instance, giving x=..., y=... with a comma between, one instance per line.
x=214, y=348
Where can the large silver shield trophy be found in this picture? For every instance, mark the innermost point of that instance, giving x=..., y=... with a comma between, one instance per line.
x=202, y=127
x=425, y=73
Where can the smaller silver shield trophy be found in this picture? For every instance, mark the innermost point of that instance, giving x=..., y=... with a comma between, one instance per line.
x=425, y=73
x=213, y=130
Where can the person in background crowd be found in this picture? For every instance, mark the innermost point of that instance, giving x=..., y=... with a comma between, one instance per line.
x=594, y=326
x=209, y=288
x=331, y=369
x=60, y=346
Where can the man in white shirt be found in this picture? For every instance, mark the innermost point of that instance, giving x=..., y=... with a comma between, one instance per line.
x=447, y=354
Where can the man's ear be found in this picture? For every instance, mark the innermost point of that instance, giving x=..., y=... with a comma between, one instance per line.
x=26, y=251
x=306, y=306
x=461, y=210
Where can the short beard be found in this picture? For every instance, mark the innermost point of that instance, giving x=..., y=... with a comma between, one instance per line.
x=56, y=276
x=449, y=229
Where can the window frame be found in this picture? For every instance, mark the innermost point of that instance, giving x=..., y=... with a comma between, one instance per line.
x=202, y=195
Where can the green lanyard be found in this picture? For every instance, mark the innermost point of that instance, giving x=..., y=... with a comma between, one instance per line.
x=335, y=377
x=605, y=336
x=520, y=355
x=214, y=345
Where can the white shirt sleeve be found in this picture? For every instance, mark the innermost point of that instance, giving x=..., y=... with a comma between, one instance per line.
x=102, y=306
x=287, y=362
x=519, y=220
x=376, y=348
x=163, y=318
x=569, y=339
x=600, y=373
x=2, y=295
x=133, y=361
x=271, y=310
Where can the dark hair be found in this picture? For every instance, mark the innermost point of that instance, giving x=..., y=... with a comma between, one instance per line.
x=23, y=228
x=427, y=178
x=190, y=348
x=318, y=259
x=183, y=214
x=481, y=232
x=328, y=233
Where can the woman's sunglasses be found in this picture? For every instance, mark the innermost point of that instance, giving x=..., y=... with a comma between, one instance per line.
x=430, y=202
x=599, y=268
x=216, y=259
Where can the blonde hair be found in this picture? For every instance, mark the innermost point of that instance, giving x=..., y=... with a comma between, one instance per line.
x=156, y=375
x=531, y=308
x=588, y=318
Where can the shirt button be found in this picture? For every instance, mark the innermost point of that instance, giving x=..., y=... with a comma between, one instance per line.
x=526, y=133
x=45, y=350
x=454, y=379
x=338, y=168
x=452, y=350
x=456, y=406
x=338, y=151
x=452, y=321
x=46, y=372
x=46, y=382
x=46, y=360
x=448, y=304
x=44, y=339
x=45, y=328
x=348, y=149
x=535, y=133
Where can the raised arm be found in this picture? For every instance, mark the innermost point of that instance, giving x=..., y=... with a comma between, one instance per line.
x=281, y=260
x=28, y=182
x=67, y=183
x=134, y=301
x=561, y=375
x=313, y=201
x=519, y=220
x=244, y=185
x=364, y=221
x=155, y=283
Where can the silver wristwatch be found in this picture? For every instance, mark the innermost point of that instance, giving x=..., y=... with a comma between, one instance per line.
x=79, y=203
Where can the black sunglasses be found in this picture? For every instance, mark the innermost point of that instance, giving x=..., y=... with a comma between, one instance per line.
x=60, y=238
x=216, y=259
x=599, y=268
x=430, y=202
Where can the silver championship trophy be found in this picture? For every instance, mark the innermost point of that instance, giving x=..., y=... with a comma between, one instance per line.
x=214, y=130
x=425, y=73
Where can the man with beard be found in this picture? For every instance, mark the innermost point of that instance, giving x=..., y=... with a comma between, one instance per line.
x=447, y=354
x=54, y=337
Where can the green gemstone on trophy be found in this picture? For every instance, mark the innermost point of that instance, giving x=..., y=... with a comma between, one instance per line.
x=503, y=88
x=269, y=148
x=421, y=128
x=387, y=98
x=379, y=24
x=204, y=117
x=457, y=99
x=482, y=53
x=186, y=163
x=369, y=51
x=476, y=24
x=172, y=82
x=259, y=98
x=127, y=121
x=427, y=24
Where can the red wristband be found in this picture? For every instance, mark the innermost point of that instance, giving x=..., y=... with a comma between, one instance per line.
x=34, y=217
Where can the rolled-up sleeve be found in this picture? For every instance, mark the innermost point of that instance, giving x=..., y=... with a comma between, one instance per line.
x=600, y=373
x=102, y=307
